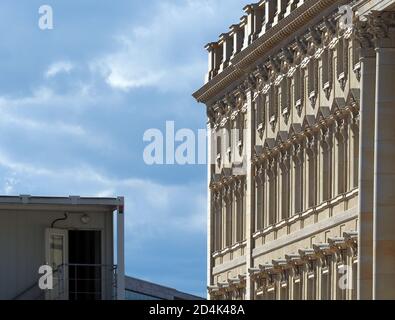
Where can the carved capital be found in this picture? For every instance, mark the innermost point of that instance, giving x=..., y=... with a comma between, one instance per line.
x=379, y=24
x=251, y=82
x=230, y=100
x=275, y=64
x=377, y=27
x=362, y=34
x=262, y=73
x=330, y=25
x=316, y=36
x=302, y=45
x=288, y=55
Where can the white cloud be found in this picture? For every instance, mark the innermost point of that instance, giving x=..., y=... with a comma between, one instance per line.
x=59, y=67
x=156, y=208
x=9, y=185
x=34, y=125
x=166, y=51
x=46, y=113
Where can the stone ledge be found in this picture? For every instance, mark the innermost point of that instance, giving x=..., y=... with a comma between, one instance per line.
x=306, y=232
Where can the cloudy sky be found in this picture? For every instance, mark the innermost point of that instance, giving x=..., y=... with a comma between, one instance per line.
x=75, y=102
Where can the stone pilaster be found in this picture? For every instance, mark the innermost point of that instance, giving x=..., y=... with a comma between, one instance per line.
x=366, y=173
x=250, y=190
x=383, y=29
x=210, y=209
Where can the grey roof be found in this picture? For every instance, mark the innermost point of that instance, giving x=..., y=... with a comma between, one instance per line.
x=156, y=290
x=29, y=202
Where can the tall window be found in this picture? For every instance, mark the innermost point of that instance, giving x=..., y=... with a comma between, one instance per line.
x=324, y=285
x=284, y=285
x=297, y=291
x=260, y=110
x=244, y=210
x=228, y=138
x=298, y=187
x=240, y=224
x=341, y=163
x=273, y=106
x=217, y=223
x=326, y=149
x=260, y=190
x=311, y=281
x=285, y=186
x=326, y=278
x=355, y=156
x=312, y=81
x=229, y=218
x=219, y=146
x=342, y=276
x=312, y=178
x=285, y=98
x=354, y=292
x=325, y=68
x=340, y=57
x=272, y=203
x=297, y=85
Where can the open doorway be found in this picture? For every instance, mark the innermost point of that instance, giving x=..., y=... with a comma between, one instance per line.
x=85, y=272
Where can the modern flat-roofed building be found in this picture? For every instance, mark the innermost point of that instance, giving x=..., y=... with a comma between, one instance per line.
x=137, y=289
x=80, y=239
x=300, y=98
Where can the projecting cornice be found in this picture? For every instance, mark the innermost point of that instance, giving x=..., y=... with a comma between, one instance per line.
x=261, y=46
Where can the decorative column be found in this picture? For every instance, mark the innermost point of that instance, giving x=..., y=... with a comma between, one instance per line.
x=250, y=144
x=211, y=205
x=382, y=25
x=366, y=162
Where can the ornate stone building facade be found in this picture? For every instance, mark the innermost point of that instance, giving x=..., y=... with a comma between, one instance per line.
x=300, y=99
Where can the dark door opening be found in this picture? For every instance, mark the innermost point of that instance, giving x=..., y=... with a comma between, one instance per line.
x=85, y=265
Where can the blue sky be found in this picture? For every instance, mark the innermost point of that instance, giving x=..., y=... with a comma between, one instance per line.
x=75, y=102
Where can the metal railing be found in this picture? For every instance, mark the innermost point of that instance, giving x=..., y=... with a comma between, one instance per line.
x=33, y=292
x=84, y=282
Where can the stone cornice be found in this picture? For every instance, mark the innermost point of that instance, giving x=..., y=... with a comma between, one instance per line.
x=284, y=29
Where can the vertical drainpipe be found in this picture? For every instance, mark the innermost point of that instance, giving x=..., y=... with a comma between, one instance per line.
x=121, y=249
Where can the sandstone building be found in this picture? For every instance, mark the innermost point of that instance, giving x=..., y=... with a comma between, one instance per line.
x=300, y=99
